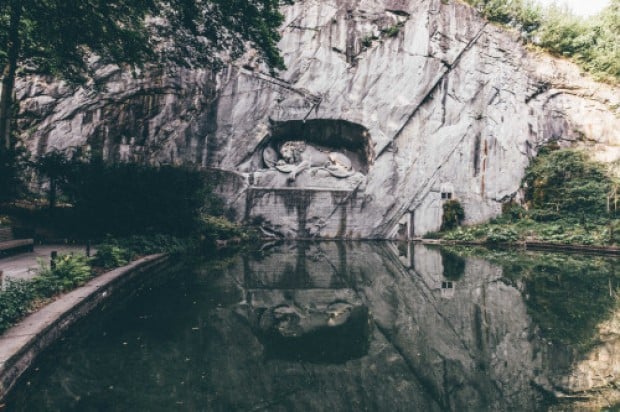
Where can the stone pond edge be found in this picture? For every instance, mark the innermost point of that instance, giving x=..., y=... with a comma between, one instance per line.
x=531, y=245
x=21, y=344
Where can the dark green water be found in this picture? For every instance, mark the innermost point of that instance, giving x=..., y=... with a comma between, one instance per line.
x=334, y=326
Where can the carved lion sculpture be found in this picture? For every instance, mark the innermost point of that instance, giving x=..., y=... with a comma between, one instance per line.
x=298, y=156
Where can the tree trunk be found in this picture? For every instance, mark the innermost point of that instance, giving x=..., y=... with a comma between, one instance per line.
x=52, y=194
x=8, y=75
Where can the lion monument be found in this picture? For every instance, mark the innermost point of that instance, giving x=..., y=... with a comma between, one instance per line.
x=298, y=156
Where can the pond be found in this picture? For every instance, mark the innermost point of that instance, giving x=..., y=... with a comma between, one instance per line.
x=345, y=326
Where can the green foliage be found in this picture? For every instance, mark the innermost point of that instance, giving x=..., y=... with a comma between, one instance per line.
x=15, y=302
x=69, y=272
x=111, y=256
x=17, y=299
x=118, y=252
x=392, y=31
x=158, y=243
x=129, y=199
x=453, y=215
x=544, y=215
x=523, y=15
x=567, y=181
x=512, y=212
x=500, y=234
x=12, y=164
x=57, y=35
x=592, y=43
x=216, y=227
x=55, y=166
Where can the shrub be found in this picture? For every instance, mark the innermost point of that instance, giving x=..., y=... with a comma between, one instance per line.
x=159, y=243
x=15, y=302
x=592, y=42
x=215, y=227
x=501, y=235
x=513, y=212
x=367, y=41
x=110, y=256
x=127, y=198
x=69, y=271
x=567, y=181
x=453, y=215
x=461, y=235
x=541, y=215
x=392, y=31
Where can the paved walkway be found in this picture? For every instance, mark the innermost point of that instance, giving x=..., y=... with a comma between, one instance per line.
x=24, y=265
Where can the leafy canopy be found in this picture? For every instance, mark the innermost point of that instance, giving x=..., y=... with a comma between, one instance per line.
x=56, y=36
x=592, y=43
x=567, y=181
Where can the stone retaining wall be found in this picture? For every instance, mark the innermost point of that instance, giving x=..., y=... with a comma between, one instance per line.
x=20, y=345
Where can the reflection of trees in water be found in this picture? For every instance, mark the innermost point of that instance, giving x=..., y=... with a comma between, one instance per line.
x=453, y=265
x=566, y=295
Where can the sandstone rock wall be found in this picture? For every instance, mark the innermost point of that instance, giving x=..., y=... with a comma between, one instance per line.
x=450, y=105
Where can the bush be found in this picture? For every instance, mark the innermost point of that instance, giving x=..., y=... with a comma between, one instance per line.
x=160, y=243
x=214, y=227
x=110, y=256
x=69, y=272
x=541, y=215
x=126, y=198
x=511, y=212
x=15, y=302
x=592, y=43
x=453, y=215
x=567, y=181
x=392, y=31
x=501, y=235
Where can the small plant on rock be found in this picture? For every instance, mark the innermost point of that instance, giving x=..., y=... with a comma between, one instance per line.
x=453, y=215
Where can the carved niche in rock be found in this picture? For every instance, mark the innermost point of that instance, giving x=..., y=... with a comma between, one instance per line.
x=297, y=156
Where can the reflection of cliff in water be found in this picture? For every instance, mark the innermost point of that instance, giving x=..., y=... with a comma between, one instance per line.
x=464, y=331
x=464, y=337
x=316, y=326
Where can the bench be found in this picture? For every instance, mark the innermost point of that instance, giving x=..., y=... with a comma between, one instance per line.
x=9, y=244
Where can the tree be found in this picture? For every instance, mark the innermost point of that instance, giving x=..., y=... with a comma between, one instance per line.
x=592, y=42
x=56, y=36
x=568, y=182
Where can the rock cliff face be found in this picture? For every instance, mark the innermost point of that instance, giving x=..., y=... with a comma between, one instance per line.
x=426, y=99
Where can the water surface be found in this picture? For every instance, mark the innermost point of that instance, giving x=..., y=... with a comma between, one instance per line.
x=343, y=327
